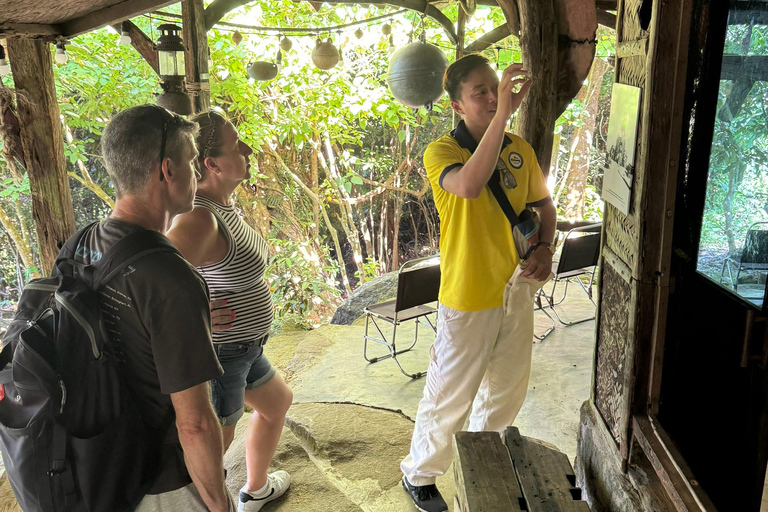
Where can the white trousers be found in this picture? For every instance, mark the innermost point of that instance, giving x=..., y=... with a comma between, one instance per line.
x=481, y=360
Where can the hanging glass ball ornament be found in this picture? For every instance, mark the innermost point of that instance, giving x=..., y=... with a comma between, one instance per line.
x=286, y=44
x=415, y=74
x=358, y=33
x=386, y=29
x=325, y=55
x=237, y=37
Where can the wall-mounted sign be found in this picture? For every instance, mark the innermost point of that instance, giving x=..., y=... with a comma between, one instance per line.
x=622, y=140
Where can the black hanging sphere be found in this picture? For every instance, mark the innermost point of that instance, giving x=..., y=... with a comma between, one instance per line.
x=415, y=74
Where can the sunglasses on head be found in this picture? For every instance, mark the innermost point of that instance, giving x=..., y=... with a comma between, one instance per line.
x=166, y=117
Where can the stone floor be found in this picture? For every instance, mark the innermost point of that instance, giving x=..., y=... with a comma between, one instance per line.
x=351, y=421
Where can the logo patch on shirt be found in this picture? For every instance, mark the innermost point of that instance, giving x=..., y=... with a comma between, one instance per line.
x=506, y=177
x=515, y=160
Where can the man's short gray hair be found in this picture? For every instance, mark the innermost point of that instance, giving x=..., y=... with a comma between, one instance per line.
x=132, y=140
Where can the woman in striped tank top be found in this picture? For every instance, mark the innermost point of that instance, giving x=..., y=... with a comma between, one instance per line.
x=232, y=257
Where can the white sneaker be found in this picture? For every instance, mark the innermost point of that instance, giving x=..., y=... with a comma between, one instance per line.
x=278, y=482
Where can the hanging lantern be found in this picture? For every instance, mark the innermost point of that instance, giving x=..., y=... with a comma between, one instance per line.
x=237, y=37
x=358, y=33
x=325, y=55
x=286, y=44
x=171, y=67
x=4, y=67
x=170, y=52
x=386, y=29
x=415, y=74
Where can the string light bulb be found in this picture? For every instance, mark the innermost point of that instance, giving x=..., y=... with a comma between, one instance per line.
x=61, y=54
x=125, y=37
x=4, y=67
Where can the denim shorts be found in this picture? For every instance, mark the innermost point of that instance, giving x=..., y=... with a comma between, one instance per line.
x=245, y=367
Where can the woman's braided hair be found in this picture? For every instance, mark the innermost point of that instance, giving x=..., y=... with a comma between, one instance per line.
x=208, y=138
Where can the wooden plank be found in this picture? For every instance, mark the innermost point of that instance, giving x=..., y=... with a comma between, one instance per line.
x=674, y=474
x=485, y=478
x=545, y=475
x=634, y=48
x=43, y=146
x=113, y=14
x=29, y=30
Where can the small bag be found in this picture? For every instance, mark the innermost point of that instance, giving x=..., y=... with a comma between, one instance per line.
x=525, y=227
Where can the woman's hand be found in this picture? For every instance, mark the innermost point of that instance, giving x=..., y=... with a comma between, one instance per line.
x=221, y=317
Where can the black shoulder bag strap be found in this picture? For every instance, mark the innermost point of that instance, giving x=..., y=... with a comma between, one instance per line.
x=495, y=185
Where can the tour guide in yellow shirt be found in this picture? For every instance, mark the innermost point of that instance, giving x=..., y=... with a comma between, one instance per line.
x=479, y=354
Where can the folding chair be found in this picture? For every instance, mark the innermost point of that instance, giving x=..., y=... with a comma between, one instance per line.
x=579, y=255
x=753, y=257
x=418, y=283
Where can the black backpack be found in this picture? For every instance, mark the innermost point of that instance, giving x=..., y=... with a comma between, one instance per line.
x=71, y=438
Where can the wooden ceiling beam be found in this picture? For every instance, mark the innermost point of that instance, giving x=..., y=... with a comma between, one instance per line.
x=143, y=44
x=110, y=15
x=606, y=19
x=219, y=8
x=29, y=30
x=488, y=39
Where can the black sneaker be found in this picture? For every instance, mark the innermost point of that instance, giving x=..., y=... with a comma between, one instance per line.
x=426, y=497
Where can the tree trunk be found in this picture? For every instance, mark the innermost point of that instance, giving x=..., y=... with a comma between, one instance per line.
x=43, y=146
x=538, y=42
x=196, y=55
x=579, y=160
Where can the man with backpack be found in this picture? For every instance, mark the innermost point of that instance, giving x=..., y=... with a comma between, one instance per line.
x=158, y=312
x=105, y=370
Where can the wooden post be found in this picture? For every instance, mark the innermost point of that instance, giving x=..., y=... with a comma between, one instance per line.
x=196, y=56
x=538, y=42
x=460, y=33
x=43, y=146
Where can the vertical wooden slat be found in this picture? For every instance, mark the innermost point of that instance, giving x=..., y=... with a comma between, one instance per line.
x=43, y=146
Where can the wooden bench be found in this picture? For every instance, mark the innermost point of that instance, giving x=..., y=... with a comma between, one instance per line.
x=517, y=476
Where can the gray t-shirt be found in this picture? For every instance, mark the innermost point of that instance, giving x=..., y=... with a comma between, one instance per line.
x=157, y=314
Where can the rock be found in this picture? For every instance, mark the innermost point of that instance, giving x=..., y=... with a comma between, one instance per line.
x=328, y=449
x=8, y=501
x=374, y=291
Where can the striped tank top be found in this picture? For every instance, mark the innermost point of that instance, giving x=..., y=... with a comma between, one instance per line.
x=239, y=277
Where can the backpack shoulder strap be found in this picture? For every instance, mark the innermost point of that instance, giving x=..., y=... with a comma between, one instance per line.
x=127, y=250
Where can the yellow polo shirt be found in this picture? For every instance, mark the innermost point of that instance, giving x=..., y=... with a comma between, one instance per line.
x=477, y=252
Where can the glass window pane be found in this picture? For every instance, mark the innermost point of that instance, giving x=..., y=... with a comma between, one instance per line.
x=734, y=240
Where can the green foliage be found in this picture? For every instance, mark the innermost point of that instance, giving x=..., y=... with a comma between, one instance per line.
x=302, y=281
x=371, y=269
x=737, y=186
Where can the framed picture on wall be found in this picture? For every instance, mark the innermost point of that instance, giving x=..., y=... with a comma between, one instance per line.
x=622, y=140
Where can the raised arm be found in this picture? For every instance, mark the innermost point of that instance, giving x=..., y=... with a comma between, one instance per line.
x=468, y=180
